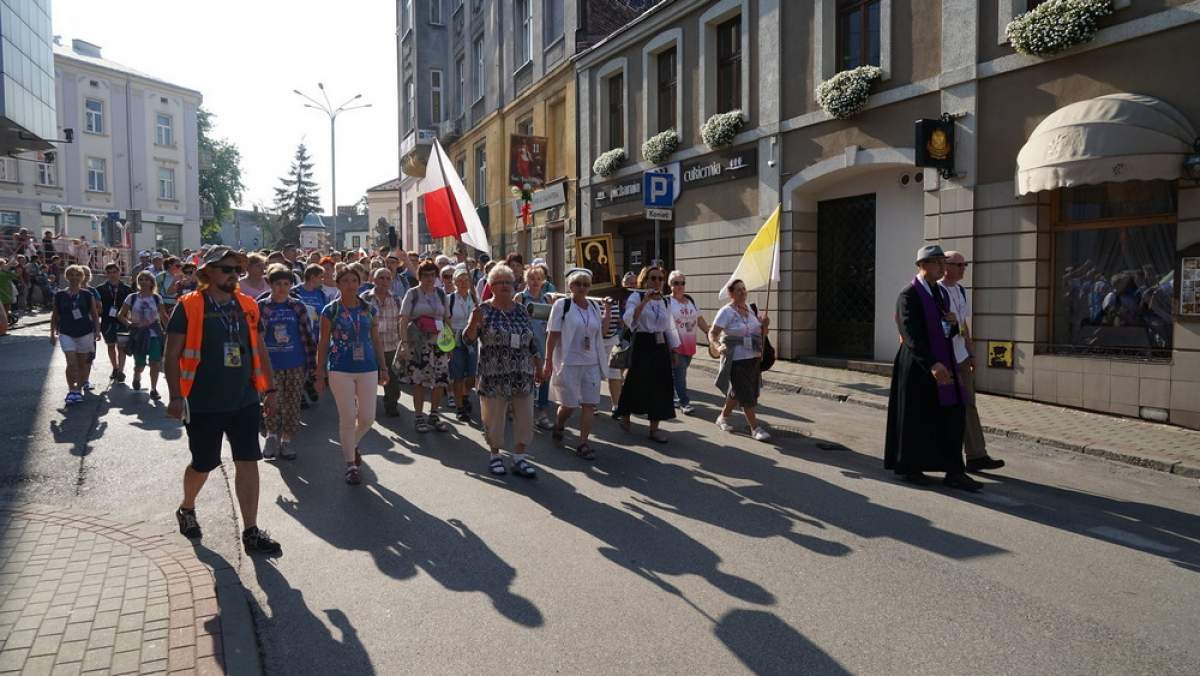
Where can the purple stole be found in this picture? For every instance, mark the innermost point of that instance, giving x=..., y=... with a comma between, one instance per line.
x=940, y=345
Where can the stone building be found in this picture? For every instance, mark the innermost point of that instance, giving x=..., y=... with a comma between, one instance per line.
x=1077, y=265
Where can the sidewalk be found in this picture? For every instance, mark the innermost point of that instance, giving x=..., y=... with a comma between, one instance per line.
x=1154, y=445
x=83, y=594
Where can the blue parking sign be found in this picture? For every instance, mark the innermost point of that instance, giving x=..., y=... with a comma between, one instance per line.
x=658, y=190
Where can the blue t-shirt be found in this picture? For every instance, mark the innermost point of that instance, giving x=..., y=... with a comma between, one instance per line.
x=282, y=335
x=315, y=301
x=75, y=312
x=350, y=337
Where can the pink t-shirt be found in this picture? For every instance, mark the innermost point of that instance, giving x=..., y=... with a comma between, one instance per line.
x=686, y=316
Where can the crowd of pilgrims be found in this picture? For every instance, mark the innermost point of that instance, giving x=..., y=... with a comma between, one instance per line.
x=482, y=342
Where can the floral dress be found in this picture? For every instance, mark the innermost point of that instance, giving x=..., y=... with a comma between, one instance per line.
x=505, y=371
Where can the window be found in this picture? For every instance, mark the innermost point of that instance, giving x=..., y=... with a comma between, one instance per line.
x=480, y=175
x=616, y=111
x=406, y=16
x=460, y=73
x=97, y=174
x=435, y=12
x=166, y=183
x=525, y=127
x=355, y=241
x=164, y=130
x=524, y=24
x=555, y=126
x=729, y=65
x=47, y=170
x=552, y=21
x=858, y=36
x=10, y=217
x=435, y=96
x=8, y=170
x=460, y=165
x=410, y=104
x=93, y=116
x=1114, y=262
x=667, y=80
x=479, y=85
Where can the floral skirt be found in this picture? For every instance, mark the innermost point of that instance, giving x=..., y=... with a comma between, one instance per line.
x=428, y=366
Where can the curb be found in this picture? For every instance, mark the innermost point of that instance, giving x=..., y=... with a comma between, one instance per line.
x=209, y=613
x=1179, y=468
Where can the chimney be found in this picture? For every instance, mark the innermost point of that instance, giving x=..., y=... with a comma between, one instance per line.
x=85, y=48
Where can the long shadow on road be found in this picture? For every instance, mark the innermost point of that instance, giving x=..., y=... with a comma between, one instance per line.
x=768, y=645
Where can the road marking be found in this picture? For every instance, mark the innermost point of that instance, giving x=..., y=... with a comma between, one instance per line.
x=1131, y=539
x=1000, y=500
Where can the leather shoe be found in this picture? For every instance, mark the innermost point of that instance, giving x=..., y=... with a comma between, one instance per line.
x=917, y=478
x=961, y=480
x=985, y=463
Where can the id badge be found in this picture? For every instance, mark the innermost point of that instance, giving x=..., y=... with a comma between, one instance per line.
x=587, y=343
x=514, y=340
x=76, y=313
x=112, y=311
x=360, y=353
x=233, y=355
x=438, y=323
x=659, y=338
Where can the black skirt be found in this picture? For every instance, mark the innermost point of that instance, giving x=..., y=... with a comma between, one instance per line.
x=648, y=387
x=745, y=381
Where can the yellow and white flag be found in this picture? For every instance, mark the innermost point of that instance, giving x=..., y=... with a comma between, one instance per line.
x=760, y=264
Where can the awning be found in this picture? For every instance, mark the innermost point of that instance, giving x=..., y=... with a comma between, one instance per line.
x=1118, y=137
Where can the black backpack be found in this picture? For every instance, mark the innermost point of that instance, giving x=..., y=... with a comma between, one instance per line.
x=768, y=355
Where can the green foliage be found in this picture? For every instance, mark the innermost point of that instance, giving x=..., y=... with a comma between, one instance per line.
x=1056, y=25
x=220, y=176
x=296, y=197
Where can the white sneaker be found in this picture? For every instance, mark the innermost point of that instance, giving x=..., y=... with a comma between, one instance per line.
x=686, y=409
x=269, y=448
x=724, y=425
x=760, y=434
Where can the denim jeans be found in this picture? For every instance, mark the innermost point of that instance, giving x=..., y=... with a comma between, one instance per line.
x=679, y=376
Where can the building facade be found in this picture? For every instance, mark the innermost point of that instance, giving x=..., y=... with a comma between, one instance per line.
x=27, y=101
x=135, y=147
x=243, y=229
x=1075, y=221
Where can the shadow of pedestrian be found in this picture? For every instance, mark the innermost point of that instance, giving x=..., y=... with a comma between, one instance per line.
x=147, y=414
x=768, y=645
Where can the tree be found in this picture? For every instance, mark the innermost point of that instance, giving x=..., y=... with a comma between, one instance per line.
x=296, y=197
x=220, y=177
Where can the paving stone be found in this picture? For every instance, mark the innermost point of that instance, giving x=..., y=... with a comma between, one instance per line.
x=102, y=638
x=154, y=667
x=45, y=645
x=12, y=659
x=126, y=662
x=129, y=640
x=131, y=621
x=69, y=669
x=72, y=651
x=20, y=639
x=106, y=619
x=38, y=666
x=99, y=658
x=77, y=632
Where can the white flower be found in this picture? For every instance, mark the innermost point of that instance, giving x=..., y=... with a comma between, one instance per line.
x=659, y=147
x=846, y=92
x=720, y=129
x=608, y=161
x=1056, y=25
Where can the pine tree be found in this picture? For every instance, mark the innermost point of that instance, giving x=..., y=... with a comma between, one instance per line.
x=296, y=197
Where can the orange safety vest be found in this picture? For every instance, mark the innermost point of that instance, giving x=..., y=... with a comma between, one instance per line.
x=189, y=359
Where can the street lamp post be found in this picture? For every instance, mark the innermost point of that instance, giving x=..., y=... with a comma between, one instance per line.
x=332, y=112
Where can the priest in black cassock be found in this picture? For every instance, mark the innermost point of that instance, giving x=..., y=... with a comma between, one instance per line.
x=925, y=409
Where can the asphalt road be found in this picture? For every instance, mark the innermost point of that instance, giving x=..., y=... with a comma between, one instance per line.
x=711, y=554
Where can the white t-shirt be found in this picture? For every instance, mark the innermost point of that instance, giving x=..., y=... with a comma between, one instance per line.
x=655, y=318
x=961, y=307
x=460, y=310
x=331, y=293
x=143, y=311
x=737, y=326
x=582, y=333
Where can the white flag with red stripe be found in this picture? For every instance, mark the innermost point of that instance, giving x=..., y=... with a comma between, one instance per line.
x=449, y=210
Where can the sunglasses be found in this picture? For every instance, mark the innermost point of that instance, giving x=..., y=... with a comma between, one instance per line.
x=654, y=279
x=228, y=269
x=582, y=285
x=678, y=282
x=959, y=265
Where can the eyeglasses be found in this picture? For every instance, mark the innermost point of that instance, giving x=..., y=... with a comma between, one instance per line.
x=678, y=282
x=501, y=282
x=228, y=269
x=959, y=265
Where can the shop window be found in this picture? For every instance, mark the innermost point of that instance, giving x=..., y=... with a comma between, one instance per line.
x=1113, y=268
x=858, y=33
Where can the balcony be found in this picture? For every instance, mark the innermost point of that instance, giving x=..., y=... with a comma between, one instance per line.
x=414, y=151
x=449, y=130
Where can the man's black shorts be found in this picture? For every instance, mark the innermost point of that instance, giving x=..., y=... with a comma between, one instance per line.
x=206, y=430
x=109, y=331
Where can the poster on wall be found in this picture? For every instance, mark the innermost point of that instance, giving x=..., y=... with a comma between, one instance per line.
x=527, y=161
x=596, y=254
x=1189, y=288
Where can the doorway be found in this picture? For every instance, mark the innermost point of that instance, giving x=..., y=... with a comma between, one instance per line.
x=846, y=277
x=638, y=240
x=555, y=253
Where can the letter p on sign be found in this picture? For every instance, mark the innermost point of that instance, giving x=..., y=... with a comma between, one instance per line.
x=658, y=190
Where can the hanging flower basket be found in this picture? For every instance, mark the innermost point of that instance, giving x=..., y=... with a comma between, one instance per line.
x=845, y=94
x=659, y=147
x=608, y=162
x=720, y=129
x=1056, y=25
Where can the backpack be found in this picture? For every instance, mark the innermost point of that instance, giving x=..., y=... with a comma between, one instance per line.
x=768, y=355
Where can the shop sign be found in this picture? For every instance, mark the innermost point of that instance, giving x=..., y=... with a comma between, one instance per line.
x=935, y=144
x=617, y=192
x=550, y=196
x=728, y=165
x=596, y=254
x=1000, y=354
x=1189, y=287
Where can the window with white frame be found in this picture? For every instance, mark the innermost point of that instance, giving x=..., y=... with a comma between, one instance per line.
x=435, y=12
x=858, y=33
x=47, y=171
x=8, y=170
x=97, y=174
x=724, y=62
x=479, y=69
x=166, y=183
x=729, y=65
x=164, y=130
x=849, y=33
x=480, y=174
x=435, y=96
x=667, y=66
x=460, y=73
x=93, y=116
x=663, y=93
x=525, y=126
x=611, y=98
x=524, y=24
x=410, y=104
x=552, y=21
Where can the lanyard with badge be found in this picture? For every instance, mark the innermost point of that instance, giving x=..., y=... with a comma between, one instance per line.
x=747, y=338
x=359, y=351
x=76, y=313
x=232, y=348
x=112, y=309
x=586, y=317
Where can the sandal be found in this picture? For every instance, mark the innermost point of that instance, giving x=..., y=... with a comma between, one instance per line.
x=352, y=476
x=357, y=458
x=625, y=422
x=496, y=466
x=438, y=424
x=659, y=436
x=421, y=424
x=585, y=452
x=523, y=468
x=557, y=434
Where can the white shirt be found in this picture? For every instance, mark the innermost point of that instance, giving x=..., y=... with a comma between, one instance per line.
x=735, y=325
x=961, y=307
x=655, y=318
x=460, y=310
x=582, y=332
